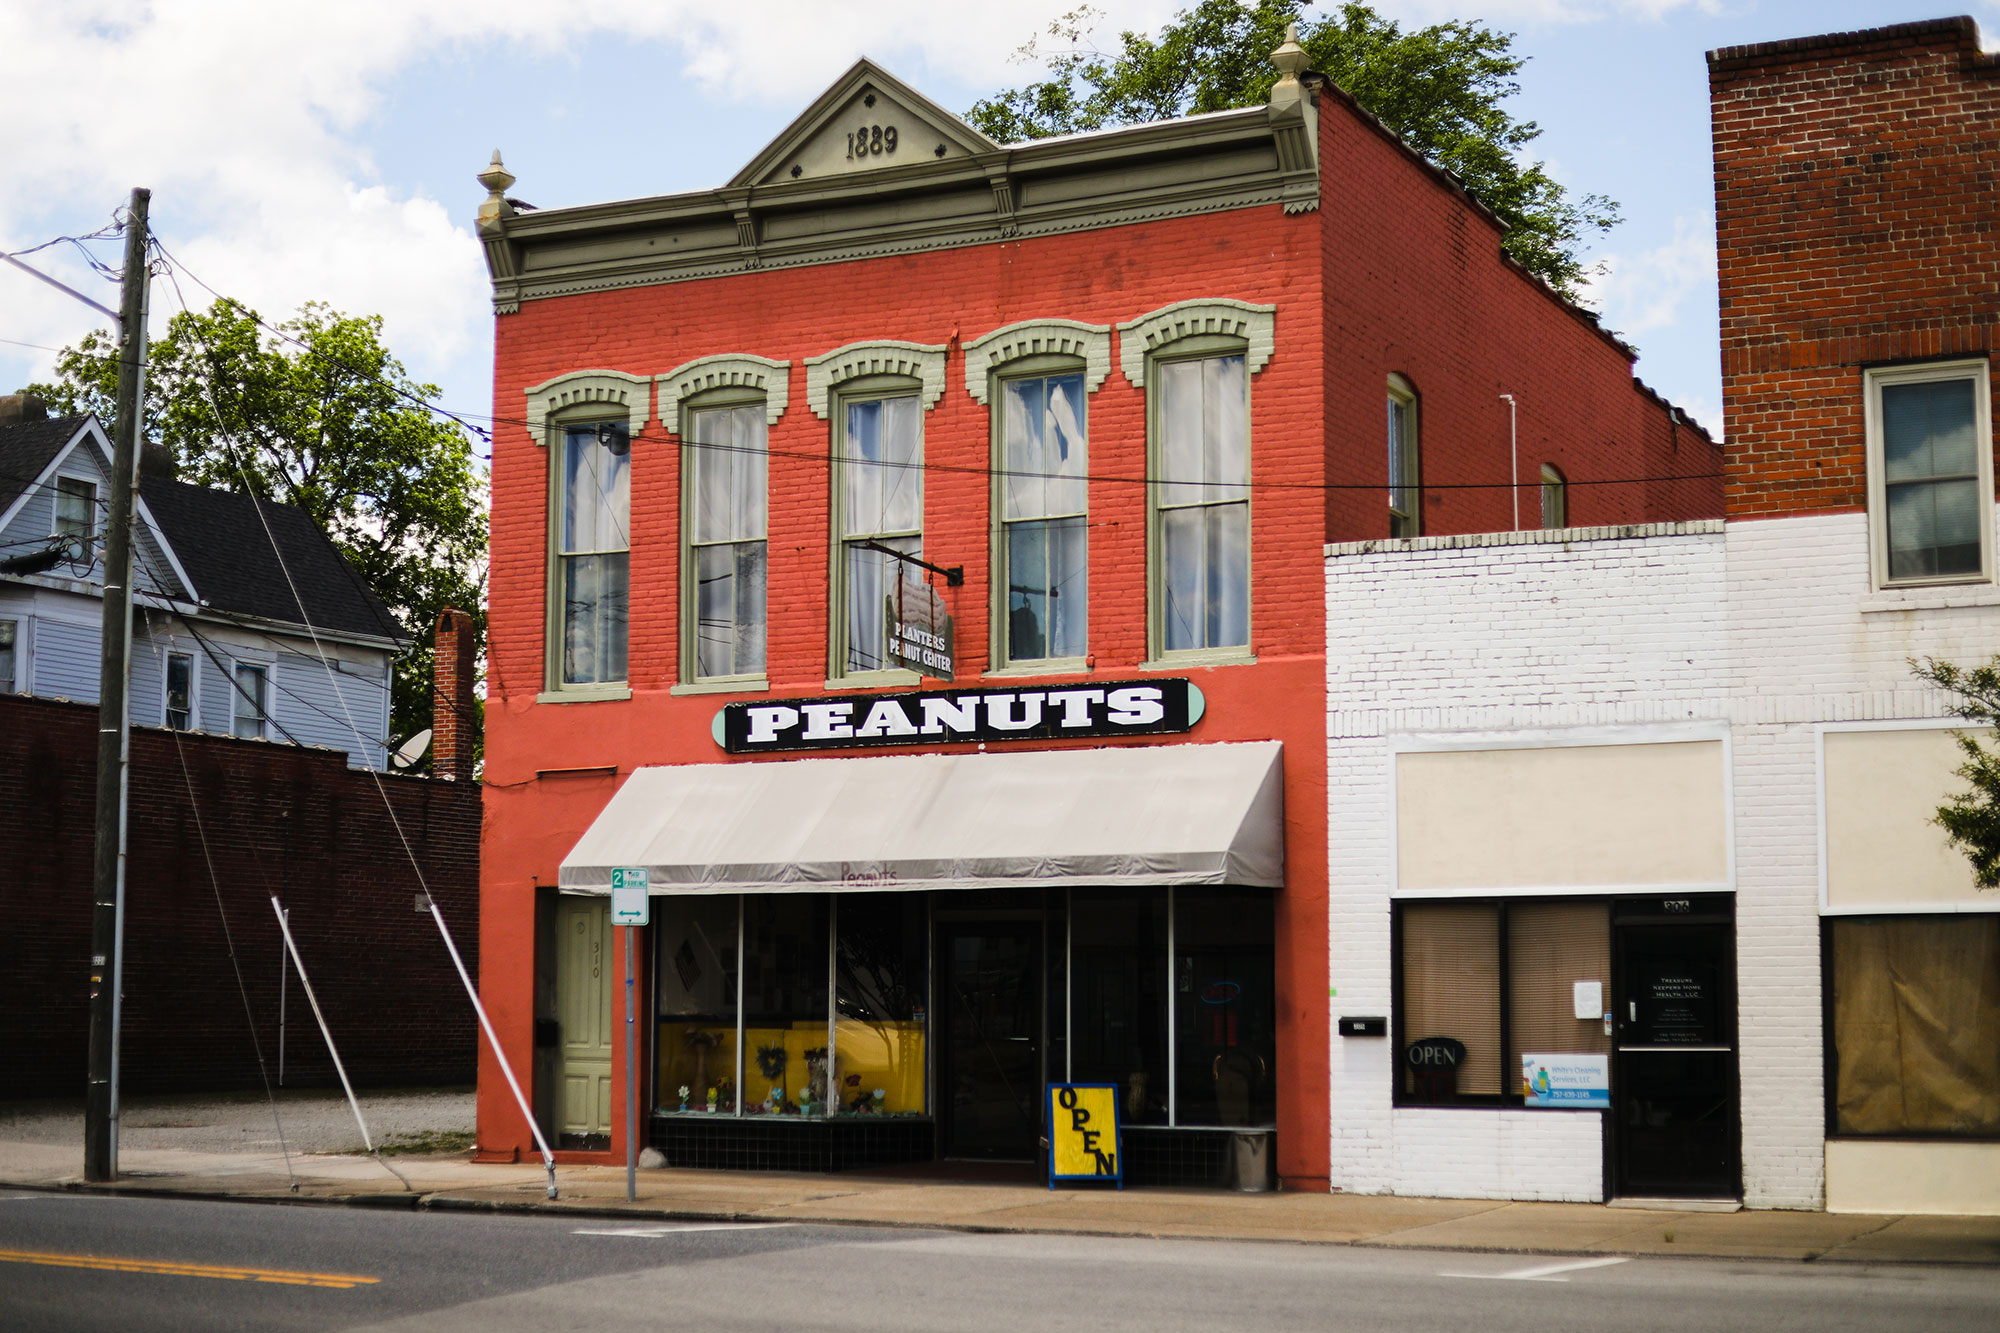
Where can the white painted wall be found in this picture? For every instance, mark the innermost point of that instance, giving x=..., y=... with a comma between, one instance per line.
x=1768, y=626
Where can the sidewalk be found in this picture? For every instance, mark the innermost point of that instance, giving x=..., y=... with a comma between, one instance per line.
x=687, y=1195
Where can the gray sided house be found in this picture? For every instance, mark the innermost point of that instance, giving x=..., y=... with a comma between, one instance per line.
x=246, y=621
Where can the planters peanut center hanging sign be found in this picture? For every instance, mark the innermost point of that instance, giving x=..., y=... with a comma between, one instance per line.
x=1024, y=713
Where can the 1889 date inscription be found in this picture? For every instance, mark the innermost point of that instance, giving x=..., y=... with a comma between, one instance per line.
x=871, y=141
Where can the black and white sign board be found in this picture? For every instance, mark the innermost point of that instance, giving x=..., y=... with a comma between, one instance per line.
x=925, y=717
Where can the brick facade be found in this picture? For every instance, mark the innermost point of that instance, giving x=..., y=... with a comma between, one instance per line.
x=1395, y=272
x=1854, y=204
x=271, y=819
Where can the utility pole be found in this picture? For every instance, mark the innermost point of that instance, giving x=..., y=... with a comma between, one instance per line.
x=114, y=737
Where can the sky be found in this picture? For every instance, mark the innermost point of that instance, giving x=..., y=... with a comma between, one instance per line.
x=327, y=152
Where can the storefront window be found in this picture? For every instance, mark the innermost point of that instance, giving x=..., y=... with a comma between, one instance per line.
x=1451, y=990
x=880, y=985
x=785, y=974
x=696, y=982
x=1916, y=1025
x=1119, y=951
x=1224, y=1005
x=1483, y=984
x=1551, y=947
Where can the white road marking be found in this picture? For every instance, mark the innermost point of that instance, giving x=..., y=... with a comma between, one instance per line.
x=1545, y=1272
x=656, y=1233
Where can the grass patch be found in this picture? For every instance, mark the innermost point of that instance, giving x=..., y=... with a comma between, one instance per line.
x=428, y=1143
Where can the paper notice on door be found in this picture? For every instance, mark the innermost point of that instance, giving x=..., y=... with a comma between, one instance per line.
x=1588, y=997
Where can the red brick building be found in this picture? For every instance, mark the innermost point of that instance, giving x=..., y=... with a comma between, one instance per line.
x=1100, y=400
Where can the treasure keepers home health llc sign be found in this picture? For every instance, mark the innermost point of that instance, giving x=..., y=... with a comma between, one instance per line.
x=1114, y=708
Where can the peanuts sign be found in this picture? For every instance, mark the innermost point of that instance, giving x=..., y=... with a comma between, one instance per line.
x=1083, y=1133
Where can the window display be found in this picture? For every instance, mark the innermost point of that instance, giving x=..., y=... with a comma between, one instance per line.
x=881, y=981
x=1225, y=1039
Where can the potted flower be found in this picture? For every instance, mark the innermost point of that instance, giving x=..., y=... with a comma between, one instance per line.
x=684, y=1096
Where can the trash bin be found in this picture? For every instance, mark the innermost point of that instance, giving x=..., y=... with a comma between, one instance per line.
x=1250, y=1161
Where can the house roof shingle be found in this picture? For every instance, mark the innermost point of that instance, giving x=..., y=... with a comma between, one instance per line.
x=27, y=448
x=219, y=538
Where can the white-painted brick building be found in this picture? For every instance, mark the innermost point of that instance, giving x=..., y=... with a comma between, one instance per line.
x=1757, y=637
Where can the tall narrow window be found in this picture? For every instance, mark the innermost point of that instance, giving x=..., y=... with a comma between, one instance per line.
x=180, y=691
x=593, y=552
x=1555, y=497
x=9, y=675
x=726, y=488
x=1930, y=454
x=1405, y=480
x=76, y=508
x=1044, y=549
x=253, y=701
x=880, y=503
x=1202, y=503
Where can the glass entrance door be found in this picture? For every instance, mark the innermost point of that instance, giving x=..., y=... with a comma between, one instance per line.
x=990, y=1056
x=1677, y=1127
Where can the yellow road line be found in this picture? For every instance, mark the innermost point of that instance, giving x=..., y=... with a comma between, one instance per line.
x=178, y=1268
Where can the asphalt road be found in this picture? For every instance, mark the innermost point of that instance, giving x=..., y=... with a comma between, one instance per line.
x=90, y=1262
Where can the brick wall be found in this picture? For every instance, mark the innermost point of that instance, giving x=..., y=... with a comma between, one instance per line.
x=277, y=819
x=1854, y=197
x=1416, y=285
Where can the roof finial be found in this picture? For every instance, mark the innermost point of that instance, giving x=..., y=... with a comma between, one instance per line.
x=1291, y=58
x=496, y=178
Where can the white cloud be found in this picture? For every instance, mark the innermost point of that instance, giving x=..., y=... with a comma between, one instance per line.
x=248, y=119
x=1637, y=294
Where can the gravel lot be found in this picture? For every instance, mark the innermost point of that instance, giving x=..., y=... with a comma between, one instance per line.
x=315, y=1120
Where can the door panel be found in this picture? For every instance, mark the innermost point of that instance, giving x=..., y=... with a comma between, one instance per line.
x=990, y=1061
x=1677, y=1121
x=583, y=1007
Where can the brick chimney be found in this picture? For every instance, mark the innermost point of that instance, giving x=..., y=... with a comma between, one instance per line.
x=454, y=709
x=18, y=409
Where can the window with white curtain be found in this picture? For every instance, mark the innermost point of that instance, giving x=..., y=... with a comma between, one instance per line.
x=1201, y=503
x=725, y=487
x=1405, y=479
x=1044, y=505
x=878, y=503
x=591, y=575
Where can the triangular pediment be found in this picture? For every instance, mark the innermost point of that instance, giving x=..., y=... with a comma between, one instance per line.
x=867, y=121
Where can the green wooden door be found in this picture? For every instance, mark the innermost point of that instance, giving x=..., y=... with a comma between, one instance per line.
x=583, y=1005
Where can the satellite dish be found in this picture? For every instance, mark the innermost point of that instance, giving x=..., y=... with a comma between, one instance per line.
x=412, y=749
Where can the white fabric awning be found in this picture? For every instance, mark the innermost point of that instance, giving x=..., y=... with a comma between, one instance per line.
x=1143, y=814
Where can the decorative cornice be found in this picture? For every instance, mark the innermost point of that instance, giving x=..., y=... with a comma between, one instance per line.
x=1256, y=325
x=609, y=388
x=735, y=370
x=923, y=362
x=1090, y=343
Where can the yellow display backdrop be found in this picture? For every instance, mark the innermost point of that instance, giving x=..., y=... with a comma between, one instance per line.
x=1083, y=1133
x=869, y=1056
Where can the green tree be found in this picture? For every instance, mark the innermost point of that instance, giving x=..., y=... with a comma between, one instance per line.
x=1441, y=88
x=1971, y=819
x=320, y=415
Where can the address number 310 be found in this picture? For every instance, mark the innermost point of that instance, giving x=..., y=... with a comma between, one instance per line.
x=871, y=141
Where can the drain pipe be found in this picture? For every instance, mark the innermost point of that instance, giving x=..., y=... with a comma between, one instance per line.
x=1514, y=457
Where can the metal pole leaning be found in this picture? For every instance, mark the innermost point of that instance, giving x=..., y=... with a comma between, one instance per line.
x=486, y=1026
x=285, y=928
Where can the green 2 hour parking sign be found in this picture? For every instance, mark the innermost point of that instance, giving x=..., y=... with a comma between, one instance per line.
x=629, y=902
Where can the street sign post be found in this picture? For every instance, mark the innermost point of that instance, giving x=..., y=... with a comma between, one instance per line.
x=630, y=907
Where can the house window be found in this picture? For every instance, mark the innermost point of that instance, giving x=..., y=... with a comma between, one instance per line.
x=1405, y=480
x=725, y=486
x=253, y=699
x=1555, y=497
x=1930, y=473
x=1915, y=1018
x=1496, y=979
x=1043, y=547
x=76, y=508
x=1201, y=500
x=9, y=677
x=180, y=691
x=878, y=502
x=591, y=575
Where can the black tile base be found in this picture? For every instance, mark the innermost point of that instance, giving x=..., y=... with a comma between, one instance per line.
x=774, y=1143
